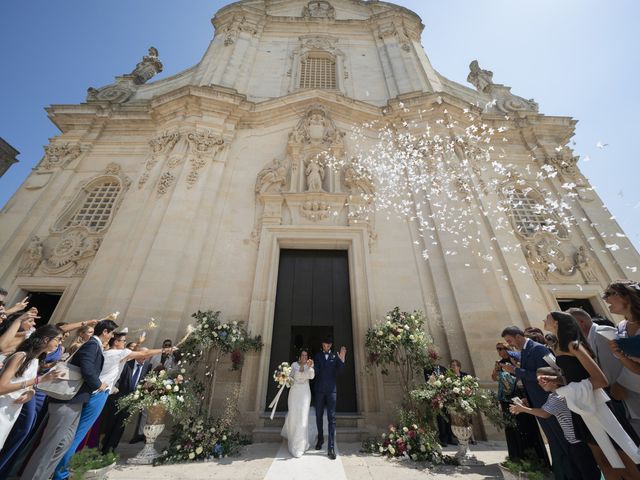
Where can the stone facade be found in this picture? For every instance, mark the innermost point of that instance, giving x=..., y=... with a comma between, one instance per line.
x=162, y=198
x=8, y=156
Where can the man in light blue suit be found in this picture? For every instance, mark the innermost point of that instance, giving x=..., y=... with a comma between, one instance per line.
x=326, y=365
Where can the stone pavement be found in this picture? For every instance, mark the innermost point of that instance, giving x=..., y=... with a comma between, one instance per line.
x=271, y=461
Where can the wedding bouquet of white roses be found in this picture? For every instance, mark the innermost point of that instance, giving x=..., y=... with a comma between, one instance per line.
x=157, y=389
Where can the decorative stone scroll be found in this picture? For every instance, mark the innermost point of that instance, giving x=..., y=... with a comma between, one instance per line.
x=546, y=256
x=160, y=147
x=397, y=33
x=126, y=85
x=164, y=184
x=238, y=24
x=273, y=177
x=32, y=257
x=58, y=155
x=583, y=262
x=503, y=100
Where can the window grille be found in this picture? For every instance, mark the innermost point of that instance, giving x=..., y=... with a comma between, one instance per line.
x=98, y=205
x=318, y=72
x=530, y=215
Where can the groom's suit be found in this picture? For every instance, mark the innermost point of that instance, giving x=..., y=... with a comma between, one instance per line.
x=326, y=367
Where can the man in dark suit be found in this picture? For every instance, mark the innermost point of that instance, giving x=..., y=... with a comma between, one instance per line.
x=531, y=358
x=132, y=374
x=65, y=415
x=326, y=365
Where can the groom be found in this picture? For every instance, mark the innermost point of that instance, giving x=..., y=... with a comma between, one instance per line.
x=326, y=365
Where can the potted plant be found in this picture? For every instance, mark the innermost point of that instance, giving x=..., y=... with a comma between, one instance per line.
x=90, y=464
x=524, y=469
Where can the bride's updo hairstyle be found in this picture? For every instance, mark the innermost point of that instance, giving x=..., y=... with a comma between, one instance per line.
x=569, y=332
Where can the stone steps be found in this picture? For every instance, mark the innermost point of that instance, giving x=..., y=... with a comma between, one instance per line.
x=349, y=427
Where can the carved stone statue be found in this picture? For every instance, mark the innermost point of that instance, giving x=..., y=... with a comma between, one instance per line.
x=478, y=77
x=581, y=258
x=319, y=9
x=357, y=182
x=273, y=177
x=32, y=256
x=315, y=176
x=147, y=68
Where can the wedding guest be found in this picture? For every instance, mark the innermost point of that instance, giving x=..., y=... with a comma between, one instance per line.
x=15, y=329
x=525, y=434
x=580, y=455
x=532, y=357
x=85, y=332
x=65, y=415
x=168, y=359
x=132, y=374
x=443, y=419
x=114, y=362
x=20, y=374
x=456, y=367
x=535, y=334
x=575, y=358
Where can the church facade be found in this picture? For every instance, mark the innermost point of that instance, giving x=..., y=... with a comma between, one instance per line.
x=202, y=191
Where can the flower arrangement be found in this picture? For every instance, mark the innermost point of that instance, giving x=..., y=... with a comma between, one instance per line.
x=199, y=439
x=282, y=375
x=409, y=441
x=400, y=341
x=212, y=334
x=89, y=459
x=159, y=389
x=460, y=397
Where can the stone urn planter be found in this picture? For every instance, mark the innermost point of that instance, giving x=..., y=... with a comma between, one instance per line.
x=98, y=474
x=156, y=416
x=462, y=430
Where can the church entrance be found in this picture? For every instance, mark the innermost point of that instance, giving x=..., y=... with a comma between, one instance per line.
x=313, y=300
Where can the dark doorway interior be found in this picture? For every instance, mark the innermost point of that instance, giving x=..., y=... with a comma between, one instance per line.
x=313, y=300
x=583, y=303
x=46, y=303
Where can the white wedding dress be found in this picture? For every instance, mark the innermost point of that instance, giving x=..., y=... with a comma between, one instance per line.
x=296, y=424
x=9, y=411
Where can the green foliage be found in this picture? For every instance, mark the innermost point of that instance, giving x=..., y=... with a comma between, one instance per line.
x=531, y=465
x=211, y=333
x=400, y=341
x=89, y=459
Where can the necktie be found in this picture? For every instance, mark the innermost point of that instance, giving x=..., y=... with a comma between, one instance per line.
x=136, y=375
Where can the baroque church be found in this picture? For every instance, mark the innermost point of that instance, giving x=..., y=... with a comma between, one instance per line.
x=203, y=191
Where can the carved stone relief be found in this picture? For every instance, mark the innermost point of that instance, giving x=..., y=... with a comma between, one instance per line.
x=58, y=155
x=166, y=180
x=315, y=210
x=319, y=9
x=273, y=177
x=203, y=146
x=397, y=32
x=238, y=24
x=583, y=262
x=160, y=147
x=32, y=257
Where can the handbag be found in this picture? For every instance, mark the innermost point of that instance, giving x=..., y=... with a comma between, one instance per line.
x=67, y=385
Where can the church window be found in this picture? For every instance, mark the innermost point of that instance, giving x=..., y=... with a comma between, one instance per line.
x=318, y=70
x=530, y=214
x=95, y=206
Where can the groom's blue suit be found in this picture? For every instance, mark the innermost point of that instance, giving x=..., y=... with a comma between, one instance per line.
x=326, y=367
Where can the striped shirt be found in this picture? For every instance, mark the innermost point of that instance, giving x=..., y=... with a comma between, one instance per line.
x=557, y=406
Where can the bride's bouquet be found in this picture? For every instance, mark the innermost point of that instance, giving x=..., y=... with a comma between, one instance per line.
x=282, y=376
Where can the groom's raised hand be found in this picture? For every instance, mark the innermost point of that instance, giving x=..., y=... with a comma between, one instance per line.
x=343, y=353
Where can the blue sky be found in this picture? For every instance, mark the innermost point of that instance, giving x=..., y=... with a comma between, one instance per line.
x=576, y=58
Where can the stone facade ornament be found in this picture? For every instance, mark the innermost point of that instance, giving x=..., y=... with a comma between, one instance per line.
x=160, y=146
x=397, y=32
x=273, y=177
x=357, y=182
x=202, y=147
x=582, y=261
x=319, y=9
x=32, y=257
x=147, y=68
x=166, y=180
x=545, y=256
x=58, y=155
x=238, y=24
x=315, y=210
x=502, y=99
x=316, y=128
x=75, y=246
x=125, y=85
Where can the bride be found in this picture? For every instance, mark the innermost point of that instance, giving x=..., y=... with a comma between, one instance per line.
x=296, y=424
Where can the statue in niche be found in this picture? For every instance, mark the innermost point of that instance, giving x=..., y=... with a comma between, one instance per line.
x=315, y=176
x=272, y=177
x=478, y=77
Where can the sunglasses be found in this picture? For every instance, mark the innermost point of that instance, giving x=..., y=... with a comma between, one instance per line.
x=500, y=349
x=608, y=294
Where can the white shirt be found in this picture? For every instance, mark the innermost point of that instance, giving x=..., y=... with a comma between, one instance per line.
x=114, y=361
x=99, y=342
